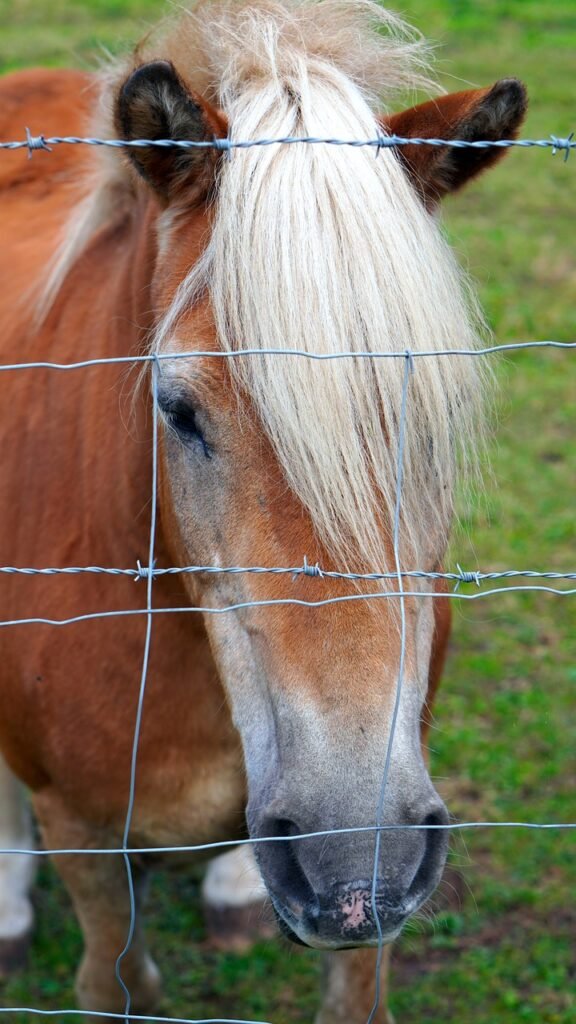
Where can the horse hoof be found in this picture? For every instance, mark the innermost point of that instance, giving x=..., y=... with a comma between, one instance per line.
x=14, y=953
x=98, y=992
x=236, y=929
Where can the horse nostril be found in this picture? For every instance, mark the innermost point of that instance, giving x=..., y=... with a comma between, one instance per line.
x=435, y=818
x=280, y=865
x=435, y=847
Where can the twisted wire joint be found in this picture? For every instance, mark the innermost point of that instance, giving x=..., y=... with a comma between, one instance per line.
x=224, y=145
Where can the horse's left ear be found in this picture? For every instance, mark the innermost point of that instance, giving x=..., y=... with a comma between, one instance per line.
x=154, y=103
x=492, y=114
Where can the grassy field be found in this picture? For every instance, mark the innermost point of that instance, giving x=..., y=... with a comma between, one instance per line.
x=501, y=947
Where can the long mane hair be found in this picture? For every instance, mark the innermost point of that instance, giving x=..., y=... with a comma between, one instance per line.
x=323, y=249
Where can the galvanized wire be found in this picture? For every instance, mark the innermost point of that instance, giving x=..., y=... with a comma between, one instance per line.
x=141, y=695
x=278, y=602
x=138, y=360
x=133, y=1016
x=33, y=143
x=408, y=369
x=143, y=572
x=227, y=844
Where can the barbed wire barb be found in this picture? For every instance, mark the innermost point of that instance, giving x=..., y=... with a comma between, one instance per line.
x=36, y=142
x=563, y=144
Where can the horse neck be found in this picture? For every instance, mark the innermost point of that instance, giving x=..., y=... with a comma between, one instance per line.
x=104, y=311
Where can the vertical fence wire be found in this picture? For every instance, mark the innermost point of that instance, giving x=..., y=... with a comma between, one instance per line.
x=141, y=695
x=408, y=369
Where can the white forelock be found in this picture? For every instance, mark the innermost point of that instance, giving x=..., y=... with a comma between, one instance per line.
x=327, y=248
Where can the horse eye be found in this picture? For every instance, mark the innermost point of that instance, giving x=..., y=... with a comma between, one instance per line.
x=182, y=419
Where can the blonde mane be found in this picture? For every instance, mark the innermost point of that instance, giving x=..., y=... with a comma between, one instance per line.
x=327, y=249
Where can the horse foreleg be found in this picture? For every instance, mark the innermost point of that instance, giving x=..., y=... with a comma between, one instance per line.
x=348, y=989
x=237, y=908
x=16, y=872
x=98, y=886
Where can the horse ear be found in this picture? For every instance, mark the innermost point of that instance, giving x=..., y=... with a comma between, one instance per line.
x=492, y=114
x=154, y=103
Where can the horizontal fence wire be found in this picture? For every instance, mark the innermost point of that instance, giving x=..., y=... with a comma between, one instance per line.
x=133, y=1016
x=150, y=572
x=33, y=143
x=137, y=360
x=281, y=602
x=227, y=844
x=143, y=572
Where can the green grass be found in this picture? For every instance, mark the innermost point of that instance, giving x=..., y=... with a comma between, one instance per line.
x=501, y=948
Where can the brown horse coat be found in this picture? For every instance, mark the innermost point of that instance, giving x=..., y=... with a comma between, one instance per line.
x=75, y=491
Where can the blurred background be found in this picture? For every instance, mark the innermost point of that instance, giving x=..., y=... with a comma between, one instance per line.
x=497, y=944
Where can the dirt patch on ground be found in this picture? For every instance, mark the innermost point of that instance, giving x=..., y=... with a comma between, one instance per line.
x=516, y=927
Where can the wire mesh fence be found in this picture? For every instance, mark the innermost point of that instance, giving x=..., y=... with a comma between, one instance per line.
x=148, y=571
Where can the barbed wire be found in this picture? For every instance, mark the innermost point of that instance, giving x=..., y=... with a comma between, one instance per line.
x=35, y=143
x=315, y=571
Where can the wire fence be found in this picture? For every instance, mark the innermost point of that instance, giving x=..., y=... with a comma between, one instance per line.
x=149, y=572
x=33, y=143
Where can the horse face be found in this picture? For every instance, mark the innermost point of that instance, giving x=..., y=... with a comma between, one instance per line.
x=311, y=689
x=314, y=691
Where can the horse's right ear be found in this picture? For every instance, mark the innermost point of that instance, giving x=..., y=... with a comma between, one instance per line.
x=491, y=114
x=154, y=103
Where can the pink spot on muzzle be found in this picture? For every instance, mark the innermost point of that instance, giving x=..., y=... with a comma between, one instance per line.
x=353, y=907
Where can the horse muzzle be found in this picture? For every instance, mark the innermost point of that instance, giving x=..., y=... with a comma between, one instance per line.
x=343, y=919
x=316, y=908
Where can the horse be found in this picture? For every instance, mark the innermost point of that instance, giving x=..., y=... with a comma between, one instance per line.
x=272, y=719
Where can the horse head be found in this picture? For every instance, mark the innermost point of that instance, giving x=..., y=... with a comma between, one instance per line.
x=269, y=459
